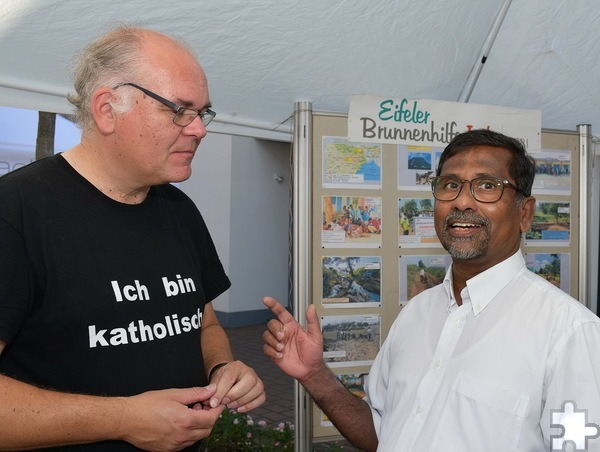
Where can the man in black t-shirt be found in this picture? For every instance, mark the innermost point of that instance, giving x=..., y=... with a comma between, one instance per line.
x=108, y=337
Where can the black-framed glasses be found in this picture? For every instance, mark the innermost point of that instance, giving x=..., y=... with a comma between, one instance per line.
x=483, y=189
x=183, y=116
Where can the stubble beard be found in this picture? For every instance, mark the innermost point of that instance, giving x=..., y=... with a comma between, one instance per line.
x=466, y=248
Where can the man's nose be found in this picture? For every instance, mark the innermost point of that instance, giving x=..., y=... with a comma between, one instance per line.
x=196, y=128
x=465, y=199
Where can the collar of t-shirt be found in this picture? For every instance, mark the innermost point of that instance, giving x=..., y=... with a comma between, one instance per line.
x=482, y=288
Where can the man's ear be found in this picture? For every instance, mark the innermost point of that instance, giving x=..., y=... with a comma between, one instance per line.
x=102, y=111
x=527, y=213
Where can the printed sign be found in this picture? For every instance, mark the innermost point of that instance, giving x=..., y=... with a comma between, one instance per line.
x=425, y=122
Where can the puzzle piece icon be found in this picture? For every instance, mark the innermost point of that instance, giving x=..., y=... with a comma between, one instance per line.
x=575, y=429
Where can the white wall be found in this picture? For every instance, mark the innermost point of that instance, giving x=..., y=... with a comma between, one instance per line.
x=247, y=213
x=210, y=190
x=260, y=228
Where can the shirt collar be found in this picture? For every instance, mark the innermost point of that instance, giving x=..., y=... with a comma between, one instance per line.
x=448, y=286
x=487, y=284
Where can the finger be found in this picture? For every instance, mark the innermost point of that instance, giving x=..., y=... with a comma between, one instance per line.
x=312, y=320
x=190, y=396
x=249, y=393
x=276, y=329
x=225, y=381
x=247, y=387
x=270, y=339
x=276, y=308
x=206, y=417
x=254, y=403
x=233, y=382
x=271, y=352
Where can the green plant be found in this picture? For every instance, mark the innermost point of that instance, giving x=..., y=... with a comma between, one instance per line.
x=236, y=432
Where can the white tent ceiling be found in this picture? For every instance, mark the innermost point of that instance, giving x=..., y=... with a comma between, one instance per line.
x=262, y=56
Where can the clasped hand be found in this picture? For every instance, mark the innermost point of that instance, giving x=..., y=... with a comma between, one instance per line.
x=173, y=419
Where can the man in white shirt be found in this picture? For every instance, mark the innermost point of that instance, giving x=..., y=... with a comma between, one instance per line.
x=493, y=359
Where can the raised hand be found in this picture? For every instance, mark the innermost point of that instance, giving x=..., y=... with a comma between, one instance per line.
x=297, y=351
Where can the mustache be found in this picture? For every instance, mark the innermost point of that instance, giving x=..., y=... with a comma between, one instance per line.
x=465, y=217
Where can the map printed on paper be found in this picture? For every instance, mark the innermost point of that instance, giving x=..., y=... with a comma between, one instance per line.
x=351, y=165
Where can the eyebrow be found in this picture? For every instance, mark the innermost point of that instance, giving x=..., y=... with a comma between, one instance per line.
x=190, y=105
x=477, y=175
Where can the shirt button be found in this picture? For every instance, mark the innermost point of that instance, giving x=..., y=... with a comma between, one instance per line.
x=457, y=321
x=419, y=410
x=437, y=364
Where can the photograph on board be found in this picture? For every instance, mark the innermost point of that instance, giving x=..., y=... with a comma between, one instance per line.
x=555, y=268
x=351, y=281
x=552, y=173
x=551, y=225
x=351, y=222
x=355, y=383
x=418, y=273
x=417, y=166
x=416, y=227
x=350, y=340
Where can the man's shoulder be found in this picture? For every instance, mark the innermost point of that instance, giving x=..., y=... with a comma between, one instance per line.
x=538, y=291
x=435, y=296
x=430, y=292
x=29, y=172
x=177, y=202
x=170, y=191
x=31, y=182
x=173, y=195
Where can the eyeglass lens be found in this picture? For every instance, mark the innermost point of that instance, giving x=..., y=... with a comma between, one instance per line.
x=185, y=117
x=484, y=189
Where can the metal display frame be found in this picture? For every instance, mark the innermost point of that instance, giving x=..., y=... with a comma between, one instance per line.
x=309, y=128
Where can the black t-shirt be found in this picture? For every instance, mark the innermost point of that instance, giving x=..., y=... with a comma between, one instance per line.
x=100, y=297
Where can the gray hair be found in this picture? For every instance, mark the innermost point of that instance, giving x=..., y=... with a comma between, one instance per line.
x=112, y=58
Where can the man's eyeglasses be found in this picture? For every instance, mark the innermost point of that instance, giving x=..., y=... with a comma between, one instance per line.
x=483, y=189
x=183, y=116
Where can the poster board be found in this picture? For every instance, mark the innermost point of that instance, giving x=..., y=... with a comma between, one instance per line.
x=362, y=281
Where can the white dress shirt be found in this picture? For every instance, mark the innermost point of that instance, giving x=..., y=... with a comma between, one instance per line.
x=487, y=375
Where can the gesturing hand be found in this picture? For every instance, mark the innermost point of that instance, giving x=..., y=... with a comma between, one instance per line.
x=297, y=351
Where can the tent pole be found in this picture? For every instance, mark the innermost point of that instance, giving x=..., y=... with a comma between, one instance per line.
x=585, y=141
x=465, y=94
x=301, y=271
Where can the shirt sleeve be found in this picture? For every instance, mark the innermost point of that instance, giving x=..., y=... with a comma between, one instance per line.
x=573, y=391
x=377, y=381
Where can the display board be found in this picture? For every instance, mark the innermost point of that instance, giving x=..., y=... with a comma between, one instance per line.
x=374, y=245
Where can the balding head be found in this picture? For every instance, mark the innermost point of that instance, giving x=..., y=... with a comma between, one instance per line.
x=121, y=54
